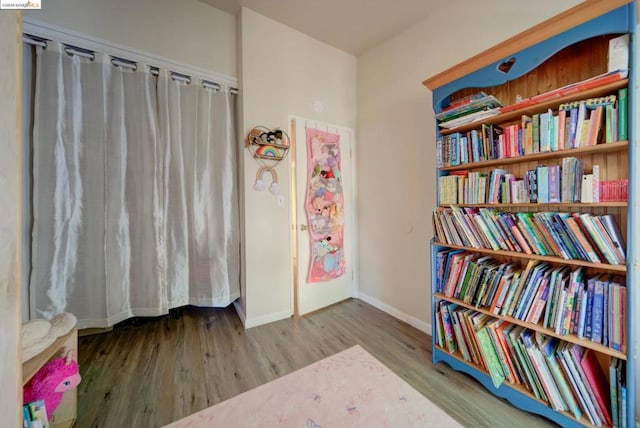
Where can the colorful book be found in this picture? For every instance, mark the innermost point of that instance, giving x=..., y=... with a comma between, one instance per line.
x=598, y=382
x=623, y=109
x=490, y=357
x=579, y=383
x=548, y=348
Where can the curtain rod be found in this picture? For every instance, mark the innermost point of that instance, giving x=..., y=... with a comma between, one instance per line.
x=32, y=40
x=123, y=62
x=72, y=50
x=120, y=62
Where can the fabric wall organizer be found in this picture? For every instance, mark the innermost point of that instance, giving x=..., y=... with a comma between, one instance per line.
x=324, y=203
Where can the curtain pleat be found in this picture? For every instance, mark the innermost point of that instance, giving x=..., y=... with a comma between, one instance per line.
x=215, y=249
x=135, y=192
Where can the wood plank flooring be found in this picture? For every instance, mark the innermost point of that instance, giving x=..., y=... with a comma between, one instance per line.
x=150, y=372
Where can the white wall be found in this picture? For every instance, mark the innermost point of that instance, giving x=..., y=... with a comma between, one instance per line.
x=283, y=72
x=396, y=152
x=186, y=31
x=10, y=147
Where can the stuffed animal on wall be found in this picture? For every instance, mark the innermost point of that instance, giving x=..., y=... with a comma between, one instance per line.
x=51, y=382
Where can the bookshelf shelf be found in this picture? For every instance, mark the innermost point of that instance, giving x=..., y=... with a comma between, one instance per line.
x=567, y=205
x=563, y=416
x=550, y=259
x=570, y=338
x=552, y=103
x=591, y=304
x=577, y=152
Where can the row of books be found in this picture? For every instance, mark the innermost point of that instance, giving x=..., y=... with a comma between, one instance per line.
x=34, y=415
x=607, y=78
x=557, y=298
x=467, y=108
x=613, y=190
x=565, y=375
x=543, y=184
x=577, y=124
x=593, y=238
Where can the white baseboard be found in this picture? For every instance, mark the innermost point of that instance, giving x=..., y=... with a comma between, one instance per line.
x=412, y=321
x=239, y=311
x=265, y=319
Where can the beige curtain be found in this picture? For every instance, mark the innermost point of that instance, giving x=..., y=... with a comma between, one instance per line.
x=134, y=191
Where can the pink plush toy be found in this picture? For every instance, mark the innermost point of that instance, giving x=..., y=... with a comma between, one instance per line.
x=50, y=383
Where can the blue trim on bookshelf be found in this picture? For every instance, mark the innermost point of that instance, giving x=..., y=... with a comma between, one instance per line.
x=633, y=232
x=515, y=397
x=617, y=21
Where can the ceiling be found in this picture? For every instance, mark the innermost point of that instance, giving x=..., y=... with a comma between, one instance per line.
x=350, y=25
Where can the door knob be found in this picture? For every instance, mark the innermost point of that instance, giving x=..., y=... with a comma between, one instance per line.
x=303, y=227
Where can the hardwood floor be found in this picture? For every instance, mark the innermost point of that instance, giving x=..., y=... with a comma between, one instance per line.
x=150, y=372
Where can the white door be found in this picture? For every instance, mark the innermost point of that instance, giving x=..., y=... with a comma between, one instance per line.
x=312, y=244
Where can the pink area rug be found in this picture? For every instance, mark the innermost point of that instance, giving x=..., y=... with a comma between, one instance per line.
x=348, y=389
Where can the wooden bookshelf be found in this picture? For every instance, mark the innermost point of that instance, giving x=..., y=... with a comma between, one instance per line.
x=550, y=259
x=562, y=56
x=536, y=157
x=537, y=327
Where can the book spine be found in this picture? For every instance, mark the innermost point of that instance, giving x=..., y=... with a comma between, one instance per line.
x=536, y=133
x=532, y=179
x=573, y=124
x=554, y=183
x=491, y=359
x=618, y=256
x=597, y=309
x=613, y=392
x=448, y=327
x=501, y=353
x=597, y=381
x=591, y=283
x=562, y=117
x=622, y=114
x=539, y=301
x=582, y=311
x=462, y=346
x=584, y=390
x=562, y=384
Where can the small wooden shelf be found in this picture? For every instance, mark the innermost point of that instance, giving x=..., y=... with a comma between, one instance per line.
x=30, y=367
x=552, y=103
x=552, y=259
x=580, y=151
x=534, y=205
x=65, y=414
x=570, y=338
x=275, y=158
x=277, y=146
